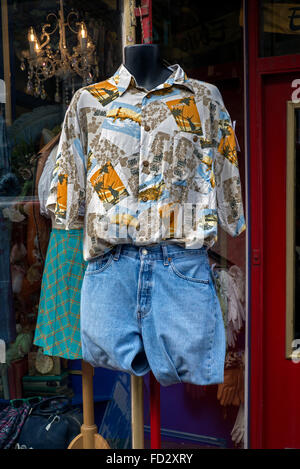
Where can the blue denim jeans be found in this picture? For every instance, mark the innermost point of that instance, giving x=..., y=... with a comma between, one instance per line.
x=153, y=308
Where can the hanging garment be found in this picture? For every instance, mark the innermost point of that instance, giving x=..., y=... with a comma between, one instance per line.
x=230, y=286
x=8, y=187
x=43, y=157
x=221, y=293
x=45, y=180
x=143, y=166
x=58, y=323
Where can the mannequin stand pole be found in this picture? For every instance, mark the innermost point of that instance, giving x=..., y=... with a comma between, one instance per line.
x=89, y=437
x=137, y=412
x=155, y=412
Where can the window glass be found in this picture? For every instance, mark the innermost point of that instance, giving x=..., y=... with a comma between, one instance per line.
x=279, y=27
x=206, y=40
x=201, y=35
x=293, y=233
x=37, y=82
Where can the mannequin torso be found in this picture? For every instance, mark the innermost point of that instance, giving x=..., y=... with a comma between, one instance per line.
x=144, y=62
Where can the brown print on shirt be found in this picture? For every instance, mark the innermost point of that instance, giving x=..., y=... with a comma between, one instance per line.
x=232, y=195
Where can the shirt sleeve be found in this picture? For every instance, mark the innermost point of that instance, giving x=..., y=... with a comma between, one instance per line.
x=66, y=199
x=227, y=177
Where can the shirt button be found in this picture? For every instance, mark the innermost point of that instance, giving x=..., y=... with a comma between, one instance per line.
x=147, y=128
x=148, y=96
x=146, y=163
x=144, y=251
x=195, y=138
x=145, y=198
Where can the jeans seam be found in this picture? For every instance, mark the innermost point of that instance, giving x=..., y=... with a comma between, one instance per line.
x=189, y=279
x=98, y=271
x=213, y=328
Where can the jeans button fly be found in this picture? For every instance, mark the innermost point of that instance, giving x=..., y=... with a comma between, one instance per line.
x=144, y=251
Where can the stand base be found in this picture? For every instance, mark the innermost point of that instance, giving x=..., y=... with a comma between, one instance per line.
x=88, y=439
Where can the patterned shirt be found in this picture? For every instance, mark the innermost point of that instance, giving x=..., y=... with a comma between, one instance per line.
x=145, y=166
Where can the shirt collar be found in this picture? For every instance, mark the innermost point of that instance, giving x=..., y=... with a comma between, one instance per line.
x=122, y=78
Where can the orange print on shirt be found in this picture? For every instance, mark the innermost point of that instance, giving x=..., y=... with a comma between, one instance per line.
x=186, y=114
x=227, y=146
x=108, y=185
x=62, y=191
x=104, y=91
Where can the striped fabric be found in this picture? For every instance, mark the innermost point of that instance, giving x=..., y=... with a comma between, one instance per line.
x=11, y=423
x=58, y=323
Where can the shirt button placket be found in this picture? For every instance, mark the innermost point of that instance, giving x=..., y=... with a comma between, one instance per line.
x=144, y=135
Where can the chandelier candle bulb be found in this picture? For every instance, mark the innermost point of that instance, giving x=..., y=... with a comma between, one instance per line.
x=32, y=40
x=83, y=36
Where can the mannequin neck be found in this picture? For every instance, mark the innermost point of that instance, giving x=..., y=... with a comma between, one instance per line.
x=144, y=62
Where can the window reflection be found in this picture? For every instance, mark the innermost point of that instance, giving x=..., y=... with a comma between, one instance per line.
x=293, y=232
x=297, y=228
x=279, y=28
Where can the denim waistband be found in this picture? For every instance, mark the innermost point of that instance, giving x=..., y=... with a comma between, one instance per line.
x=160, y=251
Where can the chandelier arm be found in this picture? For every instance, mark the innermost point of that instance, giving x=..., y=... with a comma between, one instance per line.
x=56, y=24
x=68, y=22
x=46, y=35
x=47, y=63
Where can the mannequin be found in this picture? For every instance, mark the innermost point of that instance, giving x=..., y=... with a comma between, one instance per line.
x=144, y=62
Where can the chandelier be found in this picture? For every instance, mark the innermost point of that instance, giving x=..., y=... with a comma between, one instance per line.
x=44, y=63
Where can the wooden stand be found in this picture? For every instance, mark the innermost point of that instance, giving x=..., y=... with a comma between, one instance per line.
x=89, y=437
x=137, y=412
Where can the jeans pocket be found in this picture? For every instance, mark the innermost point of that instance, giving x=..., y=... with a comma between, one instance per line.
x=99, y=264
x=193, y=268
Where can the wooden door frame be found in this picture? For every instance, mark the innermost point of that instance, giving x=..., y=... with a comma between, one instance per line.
x=258, y=69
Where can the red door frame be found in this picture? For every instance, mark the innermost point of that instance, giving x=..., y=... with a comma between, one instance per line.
x=258, y=68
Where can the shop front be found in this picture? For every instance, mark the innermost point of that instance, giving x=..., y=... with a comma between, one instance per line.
x=247, y=53
x=273, y=123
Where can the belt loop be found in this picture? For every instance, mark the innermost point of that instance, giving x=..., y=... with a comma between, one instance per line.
x=117, y=252
x=165, y=254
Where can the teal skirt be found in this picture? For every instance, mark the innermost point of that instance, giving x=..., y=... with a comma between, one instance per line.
x=58, y=322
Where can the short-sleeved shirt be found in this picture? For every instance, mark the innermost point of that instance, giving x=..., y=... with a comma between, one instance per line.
x=145, y=166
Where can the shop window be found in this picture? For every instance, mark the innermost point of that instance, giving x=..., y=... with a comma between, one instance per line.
x=279, y=27
x=194, y=34
x=293, y=233
x=206, y=40
x=32, y=108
